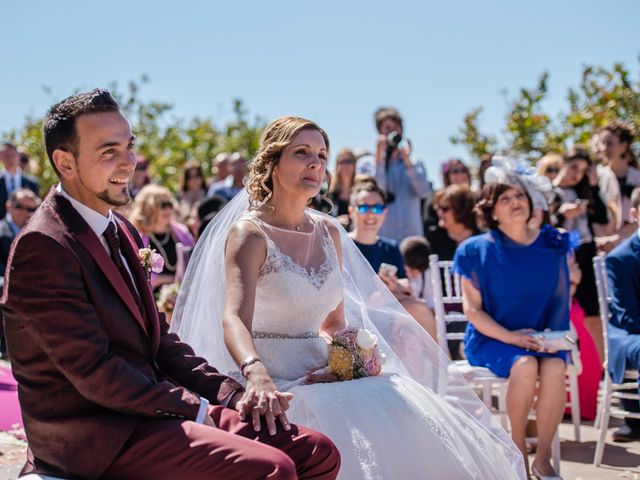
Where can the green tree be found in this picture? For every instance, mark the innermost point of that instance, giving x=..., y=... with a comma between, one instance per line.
x=167, y=141
x=602, y=95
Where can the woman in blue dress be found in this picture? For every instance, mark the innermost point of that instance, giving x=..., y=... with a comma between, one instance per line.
x=515, y=281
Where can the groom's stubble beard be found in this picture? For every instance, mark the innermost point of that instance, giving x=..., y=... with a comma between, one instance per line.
x=104, y=194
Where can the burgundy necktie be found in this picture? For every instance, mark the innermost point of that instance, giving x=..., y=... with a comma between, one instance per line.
x=111, y=235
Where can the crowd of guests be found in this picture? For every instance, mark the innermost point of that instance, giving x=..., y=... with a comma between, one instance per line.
x=519, y=271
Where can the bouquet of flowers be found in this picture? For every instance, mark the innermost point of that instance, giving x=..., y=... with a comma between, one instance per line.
x=353, y=353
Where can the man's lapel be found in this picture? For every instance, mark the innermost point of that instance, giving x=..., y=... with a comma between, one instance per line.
x=130, y=252
x=83, y=233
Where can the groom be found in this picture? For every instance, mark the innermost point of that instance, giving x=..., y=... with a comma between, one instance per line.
x=105, y=390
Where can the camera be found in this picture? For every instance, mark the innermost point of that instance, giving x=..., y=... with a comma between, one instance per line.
x=393, y=139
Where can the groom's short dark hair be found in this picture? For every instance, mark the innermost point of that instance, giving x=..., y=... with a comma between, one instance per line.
x=60, y=123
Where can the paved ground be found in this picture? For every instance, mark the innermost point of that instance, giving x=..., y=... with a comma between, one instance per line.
x=621, y=461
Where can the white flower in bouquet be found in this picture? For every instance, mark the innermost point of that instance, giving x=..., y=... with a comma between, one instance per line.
x=365, y=339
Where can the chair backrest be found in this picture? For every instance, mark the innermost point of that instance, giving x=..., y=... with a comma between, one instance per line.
x=604, y=299
x=441, y=272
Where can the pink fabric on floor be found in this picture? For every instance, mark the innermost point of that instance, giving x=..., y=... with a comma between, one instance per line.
x=589, y=379
x=9, y=406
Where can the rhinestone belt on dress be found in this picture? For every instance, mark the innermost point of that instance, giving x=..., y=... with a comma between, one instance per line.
x=298, y=336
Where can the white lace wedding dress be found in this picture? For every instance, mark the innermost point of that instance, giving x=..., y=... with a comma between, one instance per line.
x=387, y=427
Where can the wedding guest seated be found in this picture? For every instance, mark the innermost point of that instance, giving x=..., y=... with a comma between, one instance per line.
x=368, y=212
x=152, y=215
x=415, y=253
x=515, y=281
x=454, y=172
x=623, y=271
x=579, y=206
x=20, y=207
x=230, y=186
x=619, y=174
x=193, y=188
x=13, y=177
x=456, y=220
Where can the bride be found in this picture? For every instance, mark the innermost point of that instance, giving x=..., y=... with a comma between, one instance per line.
x=268, y=285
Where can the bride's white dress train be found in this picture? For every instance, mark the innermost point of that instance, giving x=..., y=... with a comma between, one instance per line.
x=387, y=427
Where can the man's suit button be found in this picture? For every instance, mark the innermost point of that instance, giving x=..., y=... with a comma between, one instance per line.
x=167, y=414
x=159, y=412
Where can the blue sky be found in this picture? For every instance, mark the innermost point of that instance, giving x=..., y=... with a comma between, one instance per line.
x=332, y=61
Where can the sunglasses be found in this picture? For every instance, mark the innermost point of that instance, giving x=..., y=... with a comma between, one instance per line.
x=347, y=162
x=458, y=170
x=141, y=167
x=553, y=170
x=191, y=176
x=17, y=206
x=378, y=208
x=166, y=204
x=443, y=208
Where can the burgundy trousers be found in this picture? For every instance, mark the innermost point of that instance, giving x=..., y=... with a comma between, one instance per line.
x=185, y=450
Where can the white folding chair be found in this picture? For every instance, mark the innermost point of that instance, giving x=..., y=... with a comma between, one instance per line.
x=483, y=380
x=609, y=391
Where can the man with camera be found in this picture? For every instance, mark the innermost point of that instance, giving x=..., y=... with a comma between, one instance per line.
x=405, y=182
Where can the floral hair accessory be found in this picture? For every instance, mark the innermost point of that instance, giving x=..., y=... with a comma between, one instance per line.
x=151, y=261
x=514, y=173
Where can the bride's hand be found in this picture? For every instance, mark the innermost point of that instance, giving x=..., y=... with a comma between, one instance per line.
x=262, y=399
x=320, y=375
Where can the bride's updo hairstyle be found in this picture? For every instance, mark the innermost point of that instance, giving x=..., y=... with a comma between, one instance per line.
x=275, y=138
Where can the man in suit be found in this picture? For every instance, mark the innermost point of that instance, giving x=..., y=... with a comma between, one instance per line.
x=623, y=272
x=12, y=176
x=106, y=392
x=21, y=205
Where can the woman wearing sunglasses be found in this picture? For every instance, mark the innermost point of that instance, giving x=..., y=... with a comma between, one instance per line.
x=152, y=214
x=368, y=210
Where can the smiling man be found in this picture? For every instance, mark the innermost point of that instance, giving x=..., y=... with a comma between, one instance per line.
x=105, y=391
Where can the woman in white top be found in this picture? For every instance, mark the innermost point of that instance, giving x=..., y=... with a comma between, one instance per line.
x=619, y=175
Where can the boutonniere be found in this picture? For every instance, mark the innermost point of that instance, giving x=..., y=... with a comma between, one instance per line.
x=151, y=261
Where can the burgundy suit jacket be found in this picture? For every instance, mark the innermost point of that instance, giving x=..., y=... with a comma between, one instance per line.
x=90, y=364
